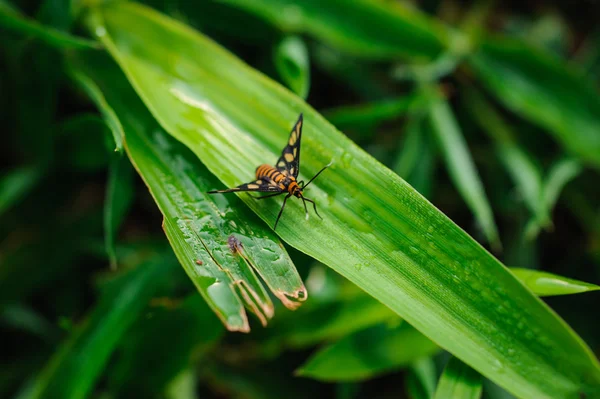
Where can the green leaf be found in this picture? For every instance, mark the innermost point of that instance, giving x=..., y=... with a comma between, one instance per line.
x=522, y=169
x=15, y=184
x=108, y=113
x=66, y=375
x=119, y=197
x=458, y=381
x=314, y=324
x=559, y=175
x=368, y=353
x=461, y=166
x=197, y=330
x=376, y=230
x=217, y=245
x=542, y=90
x=12, y=20
x=421, y=379
x=548, y=284
x=292, y=63
x=369, y=114
x=373, y=29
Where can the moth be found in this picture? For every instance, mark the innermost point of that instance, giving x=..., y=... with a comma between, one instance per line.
x=281, y=179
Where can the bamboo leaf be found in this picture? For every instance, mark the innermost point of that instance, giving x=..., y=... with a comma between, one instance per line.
x=119, y=196
x=217, y=247
x=13, y=20
x=374, y=29
x=559, y=175
x=542, y=90
x=108, y=113
x=522, y=169
x=369, y=114
x=461, y=166
x=65, y=375
x=15, y=184
x=368, y=353
x=458, y=381
x=548, y=284
x=421, y=379
x=395, y=245
x=291, y=61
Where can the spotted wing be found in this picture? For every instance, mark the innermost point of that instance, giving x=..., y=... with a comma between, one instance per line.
x=289, y=162
x=260, y=185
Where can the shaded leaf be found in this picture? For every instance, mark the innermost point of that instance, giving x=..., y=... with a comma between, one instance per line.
x=368, y=353
x=65, y=375
x=542, y=90
x=421, y=379
x=292, y=63
x=366, y=28
x=458, y=381
x=521, y=167
x=119, y=197
x=461, y=166
x=12, y=20
x=15, y=184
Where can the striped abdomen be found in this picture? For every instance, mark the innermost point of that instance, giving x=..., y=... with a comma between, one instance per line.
x=268, y=172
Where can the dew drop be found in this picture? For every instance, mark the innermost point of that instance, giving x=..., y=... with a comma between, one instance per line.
x=347, y=159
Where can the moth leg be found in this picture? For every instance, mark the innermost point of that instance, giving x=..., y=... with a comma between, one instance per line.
x=315, y=206
x=281, y=211
x=305, y=210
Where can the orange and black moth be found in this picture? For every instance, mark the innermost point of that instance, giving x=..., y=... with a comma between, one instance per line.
x=281, y=179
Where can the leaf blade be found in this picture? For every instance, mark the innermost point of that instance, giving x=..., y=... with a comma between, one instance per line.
x=418, y=276
x=459, y=381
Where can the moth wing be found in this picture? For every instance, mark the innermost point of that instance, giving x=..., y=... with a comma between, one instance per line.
x=260, y=185
x=289, y=161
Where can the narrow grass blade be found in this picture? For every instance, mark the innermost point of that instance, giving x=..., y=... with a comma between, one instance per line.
x=292, y=63
x=144, y=348
x=11, y=19
x=15, y=184
x=370, y=113
x=459, y=381
x=216, y=245
x=539, y=88
x=368, y=353
x=558, y=176
x=119, y=197
x=366, y=28
x=522, y=169
x=461, y=166
x=377, y=231
x=548, y=284
x=65, y=375
x=108, y=113
x=421, y=379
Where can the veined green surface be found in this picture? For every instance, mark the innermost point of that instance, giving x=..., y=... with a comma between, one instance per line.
x=377, y=231
x=200, y=227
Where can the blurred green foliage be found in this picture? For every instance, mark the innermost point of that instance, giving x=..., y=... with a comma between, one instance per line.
x=489, y=110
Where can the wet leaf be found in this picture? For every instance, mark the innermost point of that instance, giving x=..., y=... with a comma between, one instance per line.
x=395, y=245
